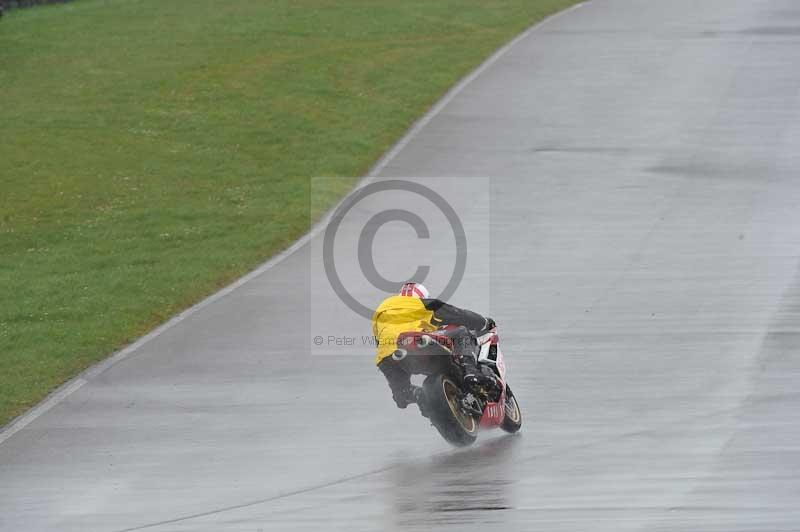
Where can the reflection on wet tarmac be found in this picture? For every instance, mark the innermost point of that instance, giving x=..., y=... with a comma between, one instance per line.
x=474, y=486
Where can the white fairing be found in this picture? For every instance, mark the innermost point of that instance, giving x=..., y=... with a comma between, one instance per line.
x=485, y=356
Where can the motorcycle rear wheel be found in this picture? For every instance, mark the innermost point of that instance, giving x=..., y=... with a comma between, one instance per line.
x=441, y=399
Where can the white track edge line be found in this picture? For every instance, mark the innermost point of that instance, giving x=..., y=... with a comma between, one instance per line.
x=74, y=384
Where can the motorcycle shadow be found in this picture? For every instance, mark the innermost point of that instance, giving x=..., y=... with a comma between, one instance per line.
x=473, y=485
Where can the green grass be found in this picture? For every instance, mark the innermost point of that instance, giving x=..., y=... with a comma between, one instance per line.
x=152, y=151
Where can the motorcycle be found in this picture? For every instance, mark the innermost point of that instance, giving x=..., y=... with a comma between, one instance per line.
x=456, y=411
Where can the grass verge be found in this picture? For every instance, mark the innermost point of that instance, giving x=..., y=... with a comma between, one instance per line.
x=151, y=152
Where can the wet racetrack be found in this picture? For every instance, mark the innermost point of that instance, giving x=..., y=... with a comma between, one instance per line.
x=628, y=176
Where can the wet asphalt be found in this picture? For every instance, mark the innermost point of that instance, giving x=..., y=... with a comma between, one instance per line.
x=627, y=176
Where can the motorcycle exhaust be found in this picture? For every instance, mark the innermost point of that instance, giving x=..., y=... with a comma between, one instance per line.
x=399, y=355
x=424, y=341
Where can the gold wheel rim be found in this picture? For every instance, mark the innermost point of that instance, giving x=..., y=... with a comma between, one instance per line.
x=451, y=393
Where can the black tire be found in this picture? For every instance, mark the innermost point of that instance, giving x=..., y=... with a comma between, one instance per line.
x=456, y=427
x=513, y=419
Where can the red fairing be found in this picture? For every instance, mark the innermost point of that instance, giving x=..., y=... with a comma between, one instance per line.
x=493, y=415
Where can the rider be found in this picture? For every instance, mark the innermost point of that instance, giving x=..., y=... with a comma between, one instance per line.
x=413, y=310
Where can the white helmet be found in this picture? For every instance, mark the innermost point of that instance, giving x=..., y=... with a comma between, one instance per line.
x=414, y=290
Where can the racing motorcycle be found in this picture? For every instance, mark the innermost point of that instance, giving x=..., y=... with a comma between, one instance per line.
x=454, y=409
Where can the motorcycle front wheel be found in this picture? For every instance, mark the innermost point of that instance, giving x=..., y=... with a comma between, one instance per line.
x=513, y=418
x=442, y=405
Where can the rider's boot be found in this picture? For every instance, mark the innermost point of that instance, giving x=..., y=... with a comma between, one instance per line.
x=474, y=377
x=465, y=345
x=408, y=395
x=399, y=382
